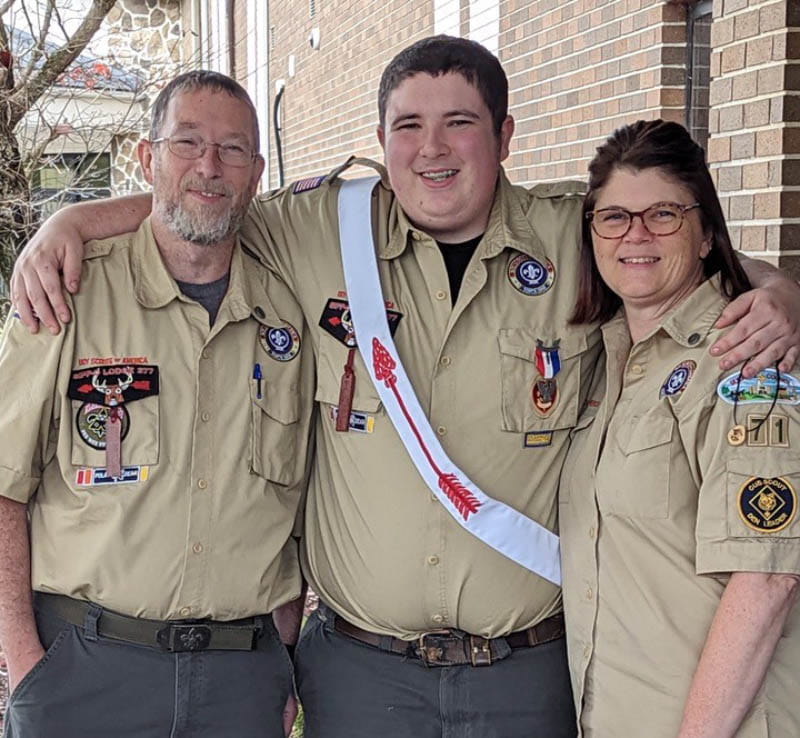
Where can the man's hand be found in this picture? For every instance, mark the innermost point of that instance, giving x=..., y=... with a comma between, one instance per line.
x=766, y=328
x=289, y=715
x=21, y=664
x=36, y=282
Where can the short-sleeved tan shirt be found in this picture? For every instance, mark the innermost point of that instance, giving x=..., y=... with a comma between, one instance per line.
x=199, y=525
x=654, y=524
x=378, y=547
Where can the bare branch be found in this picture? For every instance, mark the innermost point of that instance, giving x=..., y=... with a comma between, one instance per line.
x=23, y=98
x=38, y=48
x=5, y=7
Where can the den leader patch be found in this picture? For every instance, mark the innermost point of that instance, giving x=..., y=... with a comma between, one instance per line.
x=767, y=505
x=530, y=276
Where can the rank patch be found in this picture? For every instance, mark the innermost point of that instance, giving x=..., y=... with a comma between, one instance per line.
x=281, y=344
x=678, y=379
x=114, y=384
x=91, y=420
x=764, y=387
x=529, y=276
x=336, y=320
x=359, y=422
x=89, y=477
x=306, y=185
x=767, y=505
x=535, y=439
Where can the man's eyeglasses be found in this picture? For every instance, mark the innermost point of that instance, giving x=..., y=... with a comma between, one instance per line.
x=661, y=219
x=193, y=147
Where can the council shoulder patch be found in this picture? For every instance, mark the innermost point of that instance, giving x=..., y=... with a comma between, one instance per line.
x=307, y=184
x=282, y=343
x=767, y=505
x=529, y=276
x=766, y=386
x=678, y=379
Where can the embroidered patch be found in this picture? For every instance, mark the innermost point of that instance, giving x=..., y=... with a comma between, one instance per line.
x=281, y=344
x=544, y=396
x=306, y=185
x=767, y=505
x=336, y=320
x=768, y=430
x=89, y=477
x=761, y=388
x=529, y=276
x=678, y=379
x=91, y=420
x=359, y=422
x=534, y=439
x=113, y=385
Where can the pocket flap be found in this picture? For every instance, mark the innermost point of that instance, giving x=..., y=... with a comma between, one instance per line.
x=650, y=431
x=521, y=343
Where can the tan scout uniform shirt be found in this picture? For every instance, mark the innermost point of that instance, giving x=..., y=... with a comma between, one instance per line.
x=378, y=547
x=652, y=529
x=200, y=526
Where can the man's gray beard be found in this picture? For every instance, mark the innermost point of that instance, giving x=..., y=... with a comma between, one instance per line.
x=187, y=227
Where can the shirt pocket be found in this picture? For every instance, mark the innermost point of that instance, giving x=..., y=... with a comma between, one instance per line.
x=275, y=430
x=519, y=377
x=576, y=470
x=331, y=360
x=637, y=484
x=762, y=504
x=140, y=432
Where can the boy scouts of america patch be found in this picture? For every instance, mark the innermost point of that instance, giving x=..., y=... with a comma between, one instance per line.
x=306, y=185
x=764, y=387
x=767, y=505
x=281, y=344
x=336, y=320
x=91, y=422
x=529, y=276
x=678, y=379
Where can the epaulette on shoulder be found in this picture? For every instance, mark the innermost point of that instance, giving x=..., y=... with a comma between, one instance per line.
x=565, y=188
x=96, y=249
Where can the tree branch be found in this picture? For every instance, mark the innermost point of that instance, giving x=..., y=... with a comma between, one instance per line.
x=37, y=51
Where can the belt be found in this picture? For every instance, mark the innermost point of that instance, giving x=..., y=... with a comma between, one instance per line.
x=167, y=635
x=451, y=647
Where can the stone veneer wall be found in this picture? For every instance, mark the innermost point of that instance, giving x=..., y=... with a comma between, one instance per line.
x=145, y=37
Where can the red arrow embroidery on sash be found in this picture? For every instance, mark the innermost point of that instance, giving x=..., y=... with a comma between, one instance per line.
x=463, y=500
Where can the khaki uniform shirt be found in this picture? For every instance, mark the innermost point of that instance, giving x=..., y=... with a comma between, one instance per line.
x=378, y=547
x=199, y=525
x=653, y=525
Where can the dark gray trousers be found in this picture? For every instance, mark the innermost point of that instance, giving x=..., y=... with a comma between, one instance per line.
x=86, y=688
x=352, y=690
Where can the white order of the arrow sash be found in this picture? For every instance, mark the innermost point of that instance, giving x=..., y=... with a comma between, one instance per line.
x=496, y=524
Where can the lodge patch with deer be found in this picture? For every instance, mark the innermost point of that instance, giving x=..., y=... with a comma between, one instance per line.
x=113, y=385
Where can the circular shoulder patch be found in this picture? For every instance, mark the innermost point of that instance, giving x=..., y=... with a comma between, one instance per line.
x=529, y=276
x=678, y=379
x=91, y=423
x=281, y=344
x=767, y=505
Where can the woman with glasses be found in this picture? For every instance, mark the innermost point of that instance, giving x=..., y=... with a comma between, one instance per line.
x=679, y=521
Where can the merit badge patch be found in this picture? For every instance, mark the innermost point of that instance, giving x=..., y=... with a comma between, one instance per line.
x=336, y=320
x=91, y=420
x=281, y=344
x=114, y=384
x=88, y=477
x=764, y=387
x=529, y=276
x=535, y=439
x=359, y=422
x=678, y=379
x=306, y=185
x=767, y=505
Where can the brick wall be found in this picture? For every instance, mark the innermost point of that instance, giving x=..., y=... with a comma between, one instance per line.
x=755, y=124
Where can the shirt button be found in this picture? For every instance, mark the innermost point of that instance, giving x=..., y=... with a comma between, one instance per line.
x=587, y=652
x=445, y=361
x=258, y=311
x=591, y=532
x=186, y=611
x=202, y=484
x=438, y=618
x=433, y=560
x=416, y=236
x=589, y=593
x=636, y=369
x=441, y=294
x=206, y=353
x=197, y=548
x=441, y=430
x=205, y=416
x=694, y=338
